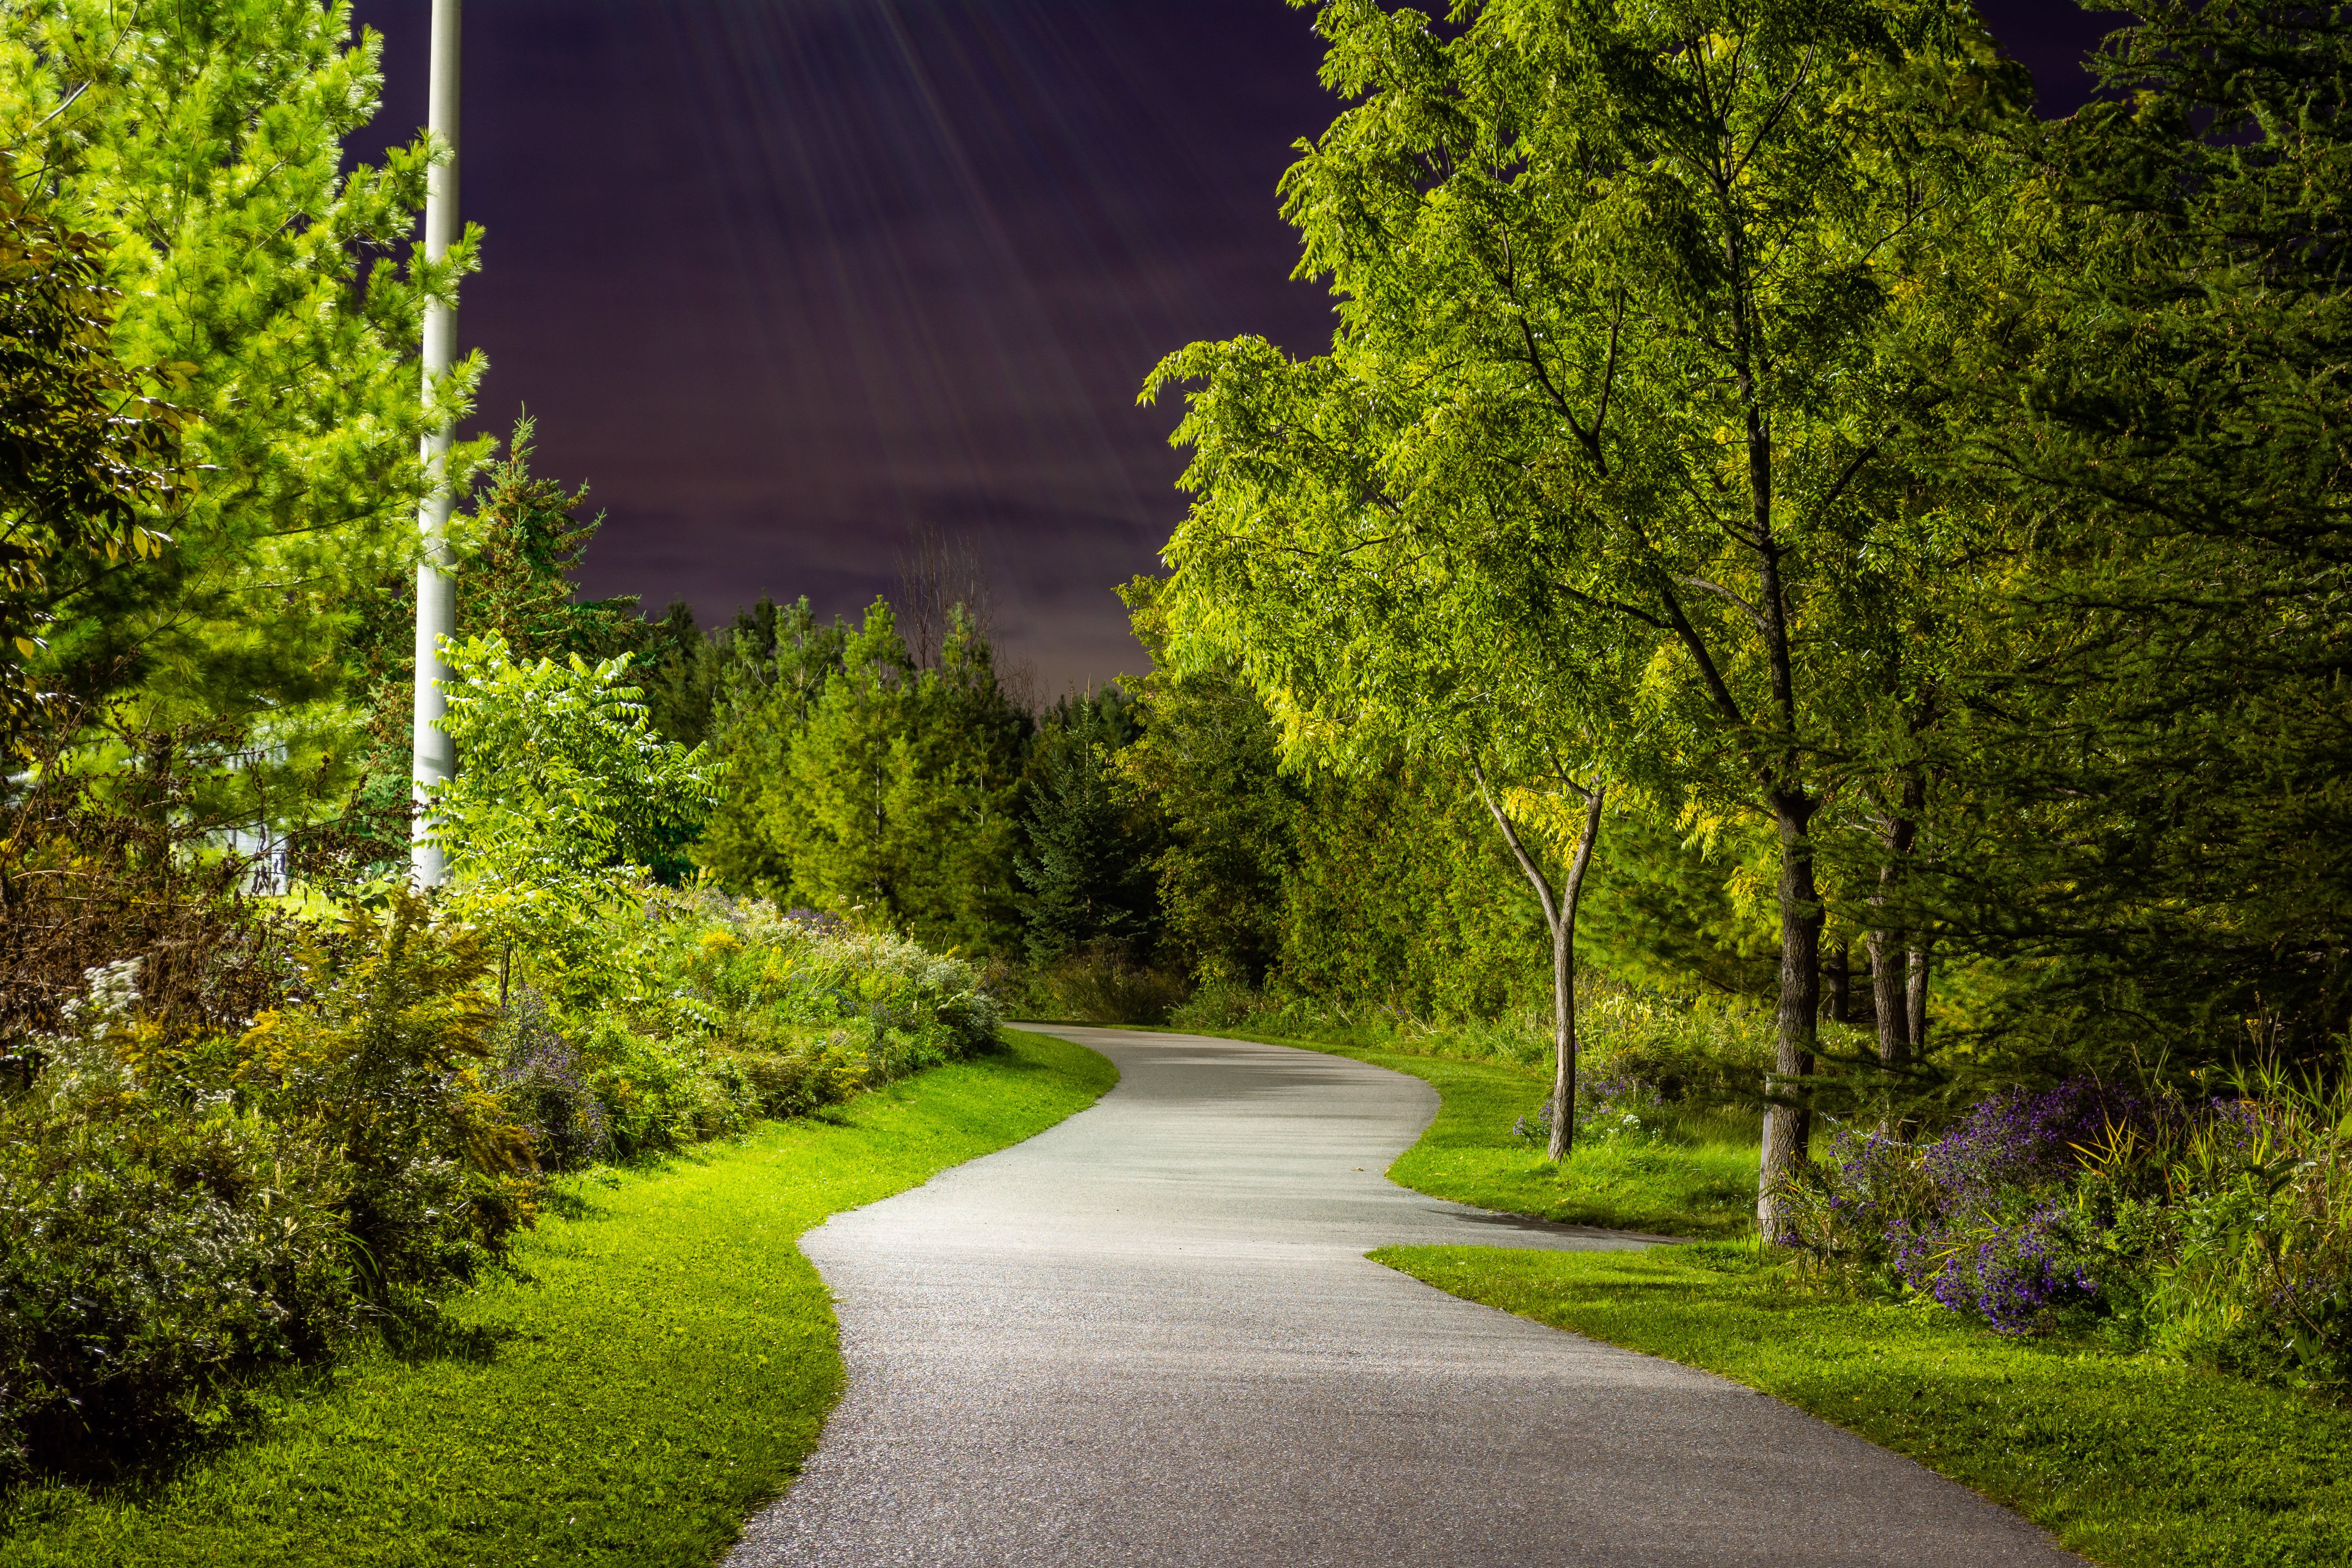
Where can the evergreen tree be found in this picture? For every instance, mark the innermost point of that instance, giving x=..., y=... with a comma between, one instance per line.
x=1205, y=769
x=853, y=780
x=202, y=141
x=682, y=671
x=2157, y=839
x=84, y=460
x=768, y=670
x=1088, y=867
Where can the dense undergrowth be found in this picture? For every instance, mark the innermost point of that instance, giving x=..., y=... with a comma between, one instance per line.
x=187, y=1204
x=652, y=1367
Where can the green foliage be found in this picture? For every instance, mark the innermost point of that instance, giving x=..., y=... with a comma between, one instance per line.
x=721, y=1012
x=1206, y=766
x=1685, y=913
x=525, y=546
x=2130, y=1461
x=564, y=800
x=770, y=666
x=386, y=1057
x=1403, y=895
x=857, y=783
x=148, y=1251
x=2154, y=847
x=659, y=1366
x=2217, y=1232
x=188, y=1209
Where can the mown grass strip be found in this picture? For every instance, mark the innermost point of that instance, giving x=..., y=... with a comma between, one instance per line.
x=2133, y=1462
x=662, y=1371
x=1703, y=1189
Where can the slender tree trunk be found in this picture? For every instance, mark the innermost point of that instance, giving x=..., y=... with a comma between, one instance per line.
x=1788, y=1128
x=1836, y=975
x=1888, y=939
x=505, y=962
x=1559, y=915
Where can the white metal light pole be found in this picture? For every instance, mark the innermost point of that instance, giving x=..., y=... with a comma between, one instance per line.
x=436, y=597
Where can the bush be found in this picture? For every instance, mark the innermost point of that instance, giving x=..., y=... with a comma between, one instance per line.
x=389, y=1056
x=1100, y=983
x=150, y=1247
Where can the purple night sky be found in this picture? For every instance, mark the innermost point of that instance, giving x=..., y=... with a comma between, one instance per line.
x=786, y=280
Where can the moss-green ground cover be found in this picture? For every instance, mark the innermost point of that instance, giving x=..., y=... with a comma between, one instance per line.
x=661, y=1369
x=2134, y=1462
x=1695, y=1178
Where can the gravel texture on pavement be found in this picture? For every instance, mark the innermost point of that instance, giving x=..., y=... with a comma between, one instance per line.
x=1150, y=1336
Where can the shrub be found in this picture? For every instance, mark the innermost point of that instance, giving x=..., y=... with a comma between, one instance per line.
x=388, y=1057
x=151, y=1245
x=721, y=1010
x=540, y=1076
x=1100, y=983
x=181, y=1211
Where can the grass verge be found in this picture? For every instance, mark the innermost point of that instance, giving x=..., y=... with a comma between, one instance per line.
x=660, y=1368
x=1697, y=1179
x=2133, y=1462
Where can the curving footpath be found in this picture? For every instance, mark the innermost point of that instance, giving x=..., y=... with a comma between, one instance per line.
x=1150, y=1336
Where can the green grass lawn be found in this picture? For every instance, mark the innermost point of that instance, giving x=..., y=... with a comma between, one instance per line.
x=1697, y=1179
x=661, y=1369
x=2133, y=1462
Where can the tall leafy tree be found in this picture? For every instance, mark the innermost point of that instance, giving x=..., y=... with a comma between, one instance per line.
x=1625, y=352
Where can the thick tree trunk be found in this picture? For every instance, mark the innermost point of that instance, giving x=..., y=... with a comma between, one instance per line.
x=1788, y=1128
x=1887, y=995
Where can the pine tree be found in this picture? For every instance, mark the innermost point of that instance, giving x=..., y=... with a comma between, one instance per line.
x=1087, y=872
x=202, y=143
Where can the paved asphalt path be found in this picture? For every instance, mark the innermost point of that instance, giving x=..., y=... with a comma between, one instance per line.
x=1150, y=1336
